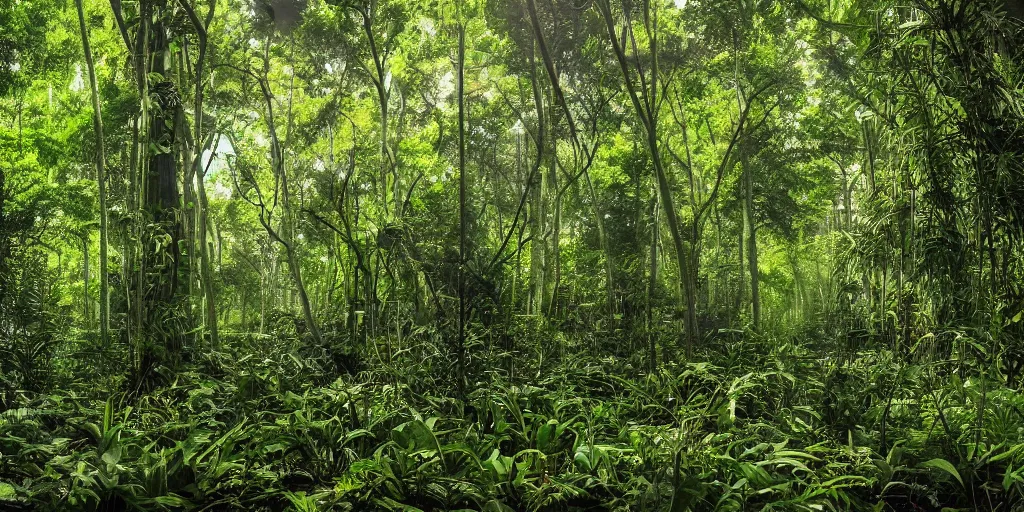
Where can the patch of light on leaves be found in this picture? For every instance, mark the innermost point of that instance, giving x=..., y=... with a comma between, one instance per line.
x=220, y=191
x=78, y=83
x=427, y=26
x=446, y=87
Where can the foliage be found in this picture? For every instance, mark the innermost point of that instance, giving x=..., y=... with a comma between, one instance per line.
x=510, y=255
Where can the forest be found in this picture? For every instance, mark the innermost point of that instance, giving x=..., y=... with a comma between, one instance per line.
x=512, y=255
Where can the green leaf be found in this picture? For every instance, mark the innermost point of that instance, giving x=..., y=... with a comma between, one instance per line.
x=113, y=455
x=546, y=434
x=7, y=491
x=1016, y=318
x=688, y=492
x=946, y=466
x=582, y=459
x=497, y=506
x=173, y=500
x=1008, y=479
x=498, y=464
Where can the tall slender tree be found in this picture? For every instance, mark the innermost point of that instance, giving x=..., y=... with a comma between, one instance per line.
x=101, y=175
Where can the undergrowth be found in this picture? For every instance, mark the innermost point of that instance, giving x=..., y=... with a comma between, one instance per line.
x=755, y=423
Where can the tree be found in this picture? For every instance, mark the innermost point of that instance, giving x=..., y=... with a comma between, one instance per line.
x=101, y=176
x=644, y=94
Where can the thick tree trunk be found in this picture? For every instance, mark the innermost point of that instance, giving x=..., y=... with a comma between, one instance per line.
x=159, y=270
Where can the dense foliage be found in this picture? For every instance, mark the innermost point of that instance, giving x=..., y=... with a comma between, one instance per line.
x=511, y=255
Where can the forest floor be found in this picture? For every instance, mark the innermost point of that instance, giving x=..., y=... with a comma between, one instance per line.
x=752, y=423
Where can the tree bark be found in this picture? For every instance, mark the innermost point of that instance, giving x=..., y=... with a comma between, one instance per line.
x=751, y=225
x=538, y=213
x=101, y=177
x=205, y=254
x=460, y=356
x=652, y=283
x=86, y=300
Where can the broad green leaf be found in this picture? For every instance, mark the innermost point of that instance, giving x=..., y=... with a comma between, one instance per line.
x=944, y=465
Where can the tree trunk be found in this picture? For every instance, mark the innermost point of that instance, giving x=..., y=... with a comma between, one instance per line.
x=652, y=283
x=556, y=266
x=741, y=292
x=578, y=146
x=243, y=320
x=602, y=238
x=101, y=177
x=649, y=119
x=379, y=77
x=205, y=252
x=538, y=213
x=285, y=234
x=206, y=266
x=689, y=294
x=460, y=355
x=750, y=225
x=159, y=272
x=748, y=218
x=86, y=300
x=263, y=302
